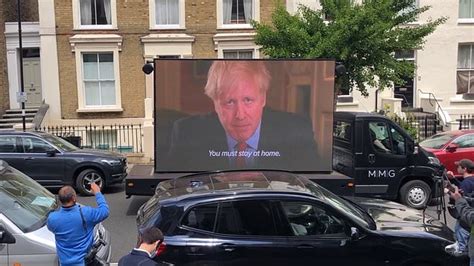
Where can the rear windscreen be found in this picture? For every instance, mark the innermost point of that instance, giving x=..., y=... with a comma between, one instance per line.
x=243, y=114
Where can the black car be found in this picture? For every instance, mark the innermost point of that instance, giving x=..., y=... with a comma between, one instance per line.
x=279, y=218
x=54, y=162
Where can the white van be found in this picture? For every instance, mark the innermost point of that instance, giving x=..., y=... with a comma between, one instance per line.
x=24, y=207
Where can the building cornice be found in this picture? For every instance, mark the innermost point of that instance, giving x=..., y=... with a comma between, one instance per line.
x=168, y=38
x=96, y=39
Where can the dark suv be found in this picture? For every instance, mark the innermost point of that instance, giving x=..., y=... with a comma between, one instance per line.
x=54, y=162
x=279, y=218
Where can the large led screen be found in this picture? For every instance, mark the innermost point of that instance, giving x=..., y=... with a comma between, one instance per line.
x=243, y=114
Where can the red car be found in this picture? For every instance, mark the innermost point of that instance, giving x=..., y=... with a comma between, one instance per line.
x=451, y=146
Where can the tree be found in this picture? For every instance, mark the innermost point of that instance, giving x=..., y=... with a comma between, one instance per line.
x=364, y=36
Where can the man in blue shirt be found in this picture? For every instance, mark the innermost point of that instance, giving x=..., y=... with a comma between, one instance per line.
x=73, y=225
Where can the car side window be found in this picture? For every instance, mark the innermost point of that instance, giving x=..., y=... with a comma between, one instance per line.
x=201, y=217
x=35, y=145
x=311, y=220
x=380, y=137
x=466, y=141
x=8, y=144
x=398, y=141
x=246, y=217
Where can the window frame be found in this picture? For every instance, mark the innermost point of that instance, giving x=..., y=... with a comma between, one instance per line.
x=220, y=16
x=152, y=16
x=454, y=141
x=23, y=138
x=76, y=17
x=238, y=51
x=82, y=107
x=467, y=20
x=17, y=144
x=470, y=69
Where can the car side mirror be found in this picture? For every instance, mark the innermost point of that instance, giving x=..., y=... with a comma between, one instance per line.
x=6, y=237
x=355, y=234
x=51, y=152
x=452, y=147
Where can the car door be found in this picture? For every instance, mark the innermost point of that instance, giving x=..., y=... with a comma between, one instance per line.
x=320, y=237
x=247, y=233
x=46, y=169
x=384, y=160
x=464, y=150
x=11, y=151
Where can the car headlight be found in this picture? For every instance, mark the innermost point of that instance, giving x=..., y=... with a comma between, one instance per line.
x=111, y=161
x=434, y=160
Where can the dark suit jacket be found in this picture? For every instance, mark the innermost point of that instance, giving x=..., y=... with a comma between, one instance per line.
x=193, y=137
x=138, y=258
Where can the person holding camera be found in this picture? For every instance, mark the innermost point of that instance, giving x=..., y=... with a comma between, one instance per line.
x=465, y=167
x=73, y=225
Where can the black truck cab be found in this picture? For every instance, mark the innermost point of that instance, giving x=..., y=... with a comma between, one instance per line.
x=384, y=160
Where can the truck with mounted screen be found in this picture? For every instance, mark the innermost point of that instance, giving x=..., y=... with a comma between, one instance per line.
x=218, y=115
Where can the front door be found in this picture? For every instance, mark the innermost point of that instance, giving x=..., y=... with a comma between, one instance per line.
x=32, y=81
x=405, y=92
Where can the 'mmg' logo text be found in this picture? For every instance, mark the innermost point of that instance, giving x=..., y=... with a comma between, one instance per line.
x=381, y=173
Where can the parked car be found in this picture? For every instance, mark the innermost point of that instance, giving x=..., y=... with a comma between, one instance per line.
x=54, y=162
x=279, y=218
x=451, y=146
x=24, y=208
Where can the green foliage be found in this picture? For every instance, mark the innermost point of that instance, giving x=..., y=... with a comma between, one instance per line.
x=364, y=36
x=408, y=123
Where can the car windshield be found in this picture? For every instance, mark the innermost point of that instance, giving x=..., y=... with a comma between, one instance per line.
x=436, y=141
x=23, y=201
x=59, y=142
x=347, y=207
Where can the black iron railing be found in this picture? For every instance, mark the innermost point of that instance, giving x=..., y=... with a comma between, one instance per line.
x=420, y=127
x=466, y=121
x=120, y=138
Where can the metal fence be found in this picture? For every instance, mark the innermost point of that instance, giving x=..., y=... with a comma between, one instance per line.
x=420, y=127
x=120, y=138
x=466, y=121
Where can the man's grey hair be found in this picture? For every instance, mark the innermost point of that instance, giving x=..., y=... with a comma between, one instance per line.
x=66, y=194
x=223, y=74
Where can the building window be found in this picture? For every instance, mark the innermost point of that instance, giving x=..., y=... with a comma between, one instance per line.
x=466, y=9
x=465, y=70
x=96, y=12
x=166, y=14
x=238, y=54
x=237, y=13
x=99, y=79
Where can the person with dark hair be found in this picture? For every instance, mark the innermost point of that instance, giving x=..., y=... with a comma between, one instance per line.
x=148, y=242
x=73, y=225
x=466, y=186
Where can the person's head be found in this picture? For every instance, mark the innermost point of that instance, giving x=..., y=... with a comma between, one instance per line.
x=67, y=196
x=150, y=239
x=238, y=90
x=465, y=167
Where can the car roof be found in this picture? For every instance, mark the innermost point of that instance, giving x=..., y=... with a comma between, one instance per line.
x=19, y=132
x=459, y=132
x=213, y=184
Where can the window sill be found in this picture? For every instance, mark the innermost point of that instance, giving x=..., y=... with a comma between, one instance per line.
x=108, y=27
x=99, y=110
x=460, y=100
x=465, y=20
x=234, y=26
x=167, y=27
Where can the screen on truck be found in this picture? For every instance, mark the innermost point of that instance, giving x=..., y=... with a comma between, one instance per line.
x=243, y=114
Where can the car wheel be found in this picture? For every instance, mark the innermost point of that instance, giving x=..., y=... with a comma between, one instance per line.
x=415, y=194
x=85, y=178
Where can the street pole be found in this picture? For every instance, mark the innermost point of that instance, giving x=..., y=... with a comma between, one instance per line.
x=22, y=90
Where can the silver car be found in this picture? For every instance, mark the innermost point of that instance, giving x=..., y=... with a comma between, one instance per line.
x=24, y=208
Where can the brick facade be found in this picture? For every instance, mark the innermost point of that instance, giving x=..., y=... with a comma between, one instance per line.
x=133, y=23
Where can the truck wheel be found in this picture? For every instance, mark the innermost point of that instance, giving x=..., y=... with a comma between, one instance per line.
x=85, y=178
x=415, y=194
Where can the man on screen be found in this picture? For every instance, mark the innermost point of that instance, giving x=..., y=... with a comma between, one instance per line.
x=241, y=133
